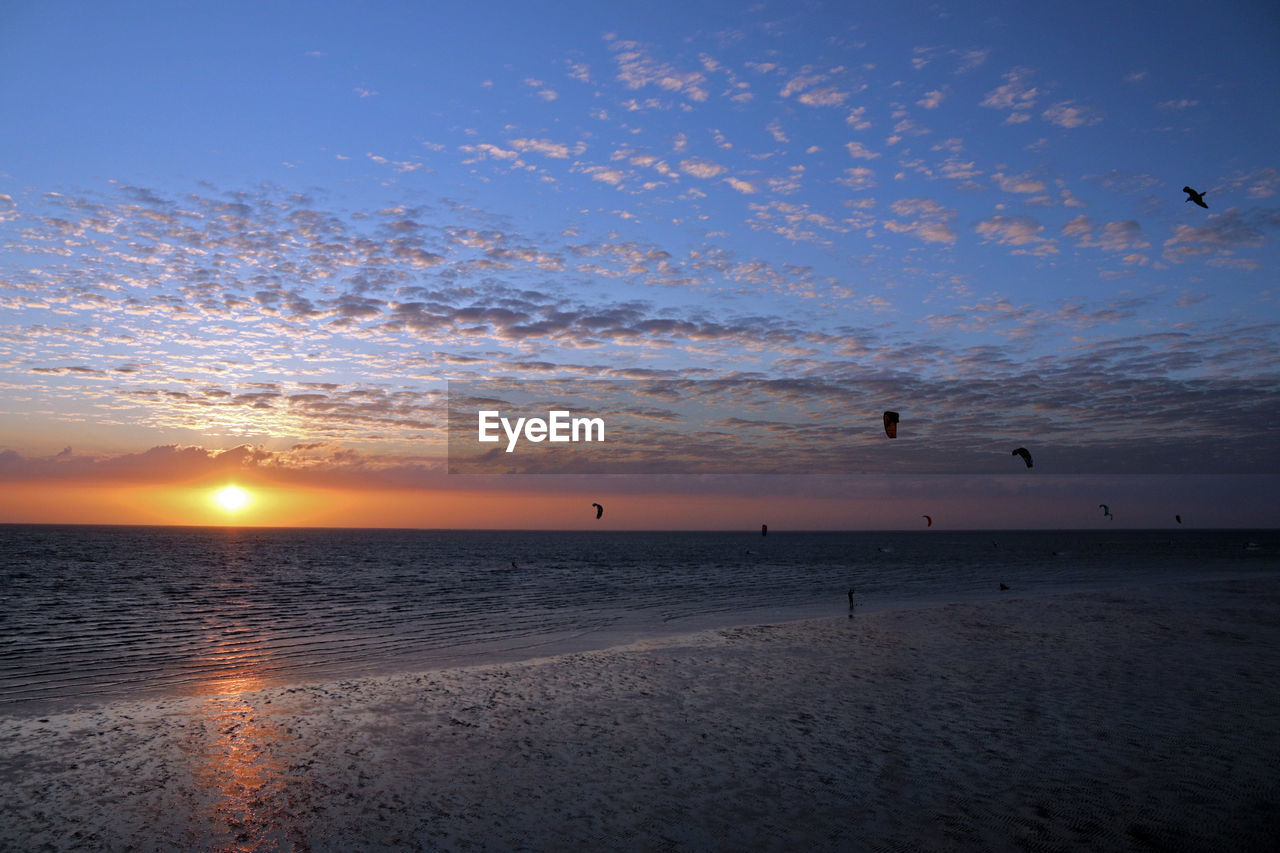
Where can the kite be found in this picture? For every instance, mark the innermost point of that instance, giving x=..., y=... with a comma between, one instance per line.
x=1024, y=453
x=891, y=424
x=929, y=519
x=599, y=510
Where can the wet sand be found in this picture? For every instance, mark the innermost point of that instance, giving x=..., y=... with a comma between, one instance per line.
x=1133, y=719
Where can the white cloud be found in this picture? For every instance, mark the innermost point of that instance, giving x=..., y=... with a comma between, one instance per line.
x=1067, y=114
x=857, y=178
x=547, y=148
x=1018, y=183
x=1016, y=93
x=932, y=100
x=699, y=168
x=1022, y=232
x=858, y=151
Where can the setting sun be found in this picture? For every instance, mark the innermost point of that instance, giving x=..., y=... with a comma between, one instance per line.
x=231, y=498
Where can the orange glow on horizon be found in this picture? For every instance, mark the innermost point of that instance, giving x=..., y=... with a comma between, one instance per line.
x=304, y=506
x=523, y=508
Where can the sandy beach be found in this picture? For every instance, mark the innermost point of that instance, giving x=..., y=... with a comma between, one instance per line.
x=1133, y=719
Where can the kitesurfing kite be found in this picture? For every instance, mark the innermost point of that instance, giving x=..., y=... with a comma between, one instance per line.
x=1178, y=518
x=1024, y=453
x=891, y=424
x=1198, y=198
x=599, y=510
x=1106, y=511
x=929, y=519
x=764, y=530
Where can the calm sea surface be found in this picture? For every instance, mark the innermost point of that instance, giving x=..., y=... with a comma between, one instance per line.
x=91, y=614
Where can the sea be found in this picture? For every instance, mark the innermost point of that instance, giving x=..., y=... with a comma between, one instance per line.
x=93, y=614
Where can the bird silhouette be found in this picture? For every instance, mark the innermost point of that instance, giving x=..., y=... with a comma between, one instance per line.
x=1198, y=198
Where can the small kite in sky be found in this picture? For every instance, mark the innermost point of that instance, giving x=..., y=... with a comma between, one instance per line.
x=1106, y=511
x=891, y=424
x=1024, y=453
x=1198, y=198
x=929, y=519
x=599, y=510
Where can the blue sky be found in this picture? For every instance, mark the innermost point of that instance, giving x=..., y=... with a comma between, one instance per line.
x=287, y=225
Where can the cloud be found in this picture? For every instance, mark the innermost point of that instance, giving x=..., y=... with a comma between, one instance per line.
x=857, y=179
x=1016, y=94
x=700, y=168
x=1262, y=183
x=801, y=223
x=824, y=96
x=970, y=59
x=1018, y=183
x=932, y=100
x=1118, y=236
x=927, y=220
x=313, y=463
x=858, y=151
x=547, y=148
x=1221, y=236
x=485, y=151
x=637, y=70
x=1067, y=114
x=543, y=91
x=807, y=90
x=1022, y=232
x=856, y=119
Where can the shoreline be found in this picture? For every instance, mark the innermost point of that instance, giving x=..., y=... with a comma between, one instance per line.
x=1113, y=719
x=620, y=636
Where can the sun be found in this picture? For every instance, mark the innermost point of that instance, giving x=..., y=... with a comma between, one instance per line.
x=232, y=498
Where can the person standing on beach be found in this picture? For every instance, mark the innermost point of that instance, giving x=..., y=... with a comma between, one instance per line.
x=850, y=601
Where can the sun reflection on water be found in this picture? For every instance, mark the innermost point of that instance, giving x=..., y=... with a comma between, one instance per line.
x=238, y=755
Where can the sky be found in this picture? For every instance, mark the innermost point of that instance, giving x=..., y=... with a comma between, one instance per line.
x=252, y=243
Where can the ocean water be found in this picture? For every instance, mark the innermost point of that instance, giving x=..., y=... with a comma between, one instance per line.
x=91, y=614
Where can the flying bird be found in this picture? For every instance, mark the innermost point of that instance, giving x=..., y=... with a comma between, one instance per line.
x=1198, y=198
x=929, y=519
x=1024, y=453
x=891, y=424
x=599, y=510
